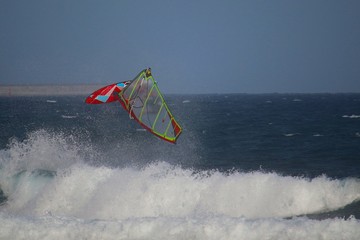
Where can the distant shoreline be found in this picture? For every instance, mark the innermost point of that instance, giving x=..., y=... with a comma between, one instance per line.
x=46, y=90
x=86, y=89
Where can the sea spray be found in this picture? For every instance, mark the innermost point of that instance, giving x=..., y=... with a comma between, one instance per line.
x=202, y=228
x=93, y=192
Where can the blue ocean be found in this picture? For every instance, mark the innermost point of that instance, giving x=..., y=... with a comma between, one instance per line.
x=246, y=166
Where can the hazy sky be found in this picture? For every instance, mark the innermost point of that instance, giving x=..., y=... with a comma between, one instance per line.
x=192, y=46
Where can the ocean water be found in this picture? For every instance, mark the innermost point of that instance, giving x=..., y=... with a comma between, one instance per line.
x=247, y=166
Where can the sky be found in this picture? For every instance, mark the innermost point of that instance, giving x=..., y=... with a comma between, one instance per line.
x=240, y=46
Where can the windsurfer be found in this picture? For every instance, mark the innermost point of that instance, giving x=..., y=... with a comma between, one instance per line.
x=148, y=72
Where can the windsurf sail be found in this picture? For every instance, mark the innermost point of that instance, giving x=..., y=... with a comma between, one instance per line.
x=106, y=94
x=143, y=101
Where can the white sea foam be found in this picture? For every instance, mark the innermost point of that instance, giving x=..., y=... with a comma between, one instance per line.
x=212, y=228
x=89, y=192
x=290, y=134
x=141, y=130
x=317, y=135
x=159, y=201
x=351, y=116
x=68, y=116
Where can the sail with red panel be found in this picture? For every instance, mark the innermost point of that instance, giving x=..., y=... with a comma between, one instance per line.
x=106, y=94
x=143, y=101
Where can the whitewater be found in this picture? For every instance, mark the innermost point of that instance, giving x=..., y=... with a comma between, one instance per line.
x=54, y=193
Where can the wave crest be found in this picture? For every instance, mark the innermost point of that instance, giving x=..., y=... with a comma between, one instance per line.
x=51, y=174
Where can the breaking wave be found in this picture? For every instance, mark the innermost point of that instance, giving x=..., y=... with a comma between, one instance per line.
x=52, y=185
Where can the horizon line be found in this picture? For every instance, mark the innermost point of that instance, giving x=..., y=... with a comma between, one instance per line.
x=86, y=89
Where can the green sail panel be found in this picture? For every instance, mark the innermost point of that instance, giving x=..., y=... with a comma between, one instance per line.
x=145, y=103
